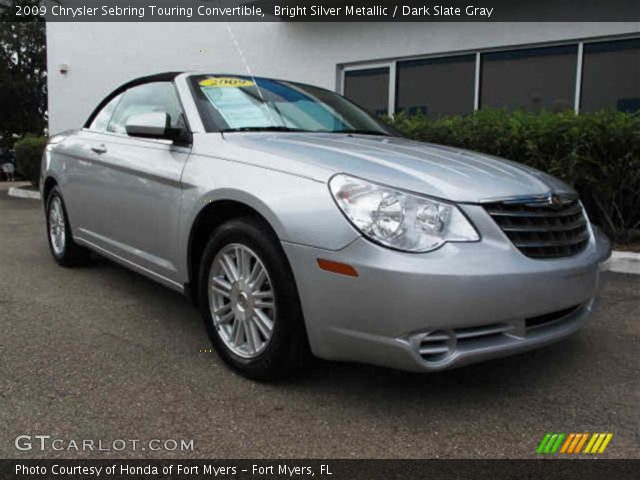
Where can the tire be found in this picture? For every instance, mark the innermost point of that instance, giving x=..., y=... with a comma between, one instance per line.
x=65, y=251
x=250, y=352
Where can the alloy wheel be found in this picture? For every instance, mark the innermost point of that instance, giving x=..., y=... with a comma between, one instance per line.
x=57, y=231
x=242, y=300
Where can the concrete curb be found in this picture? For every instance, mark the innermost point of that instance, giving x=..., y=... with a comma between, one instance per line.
x=23, y=193
x=624, y=262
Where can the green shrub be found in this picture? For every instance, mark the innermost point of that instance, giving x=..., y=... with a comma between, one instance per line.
x=29, y=157
x=598, y=154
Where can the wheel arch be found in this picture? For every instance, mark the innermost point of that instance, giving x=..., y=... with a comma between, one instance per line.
x=213, y=214
x=47, y=186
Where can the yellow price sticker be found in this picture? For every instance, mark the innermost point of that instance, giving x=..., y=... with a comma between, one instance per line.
x=222, y=82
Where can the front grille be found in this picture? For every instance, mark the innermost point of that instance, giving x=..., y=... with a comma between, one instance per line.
x=542, y=230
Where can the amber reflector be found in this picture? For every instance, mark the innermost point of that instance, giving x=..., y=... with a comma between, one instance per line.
x=337, y=267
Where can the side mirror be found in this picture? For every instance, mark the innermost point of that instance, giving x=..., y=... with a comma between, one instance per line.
x=149, y=125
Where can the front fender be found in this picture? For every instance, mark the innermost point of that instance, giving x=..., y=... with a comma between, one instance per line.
x=300, y=210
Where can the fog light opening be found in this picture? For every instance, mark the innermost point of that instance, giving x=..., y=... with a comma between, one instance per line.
x=437, y=346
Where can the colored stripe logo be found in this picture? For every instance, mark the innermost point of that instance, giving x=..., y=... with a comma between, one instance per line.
x=574, y=443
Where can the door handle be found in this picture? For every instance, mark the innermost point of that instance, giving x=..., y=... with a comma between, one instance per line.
x=99, y=149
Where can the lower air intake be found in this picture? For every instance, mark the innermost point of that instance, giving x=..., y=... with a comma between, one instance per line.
x=438, y=345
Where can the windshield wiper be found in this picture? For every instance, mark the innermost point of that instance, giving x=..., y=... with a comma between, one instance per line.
x=272, y=128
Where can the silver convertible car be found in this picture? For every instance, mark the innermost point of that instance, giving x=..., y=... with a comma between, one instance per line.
x=300, y=225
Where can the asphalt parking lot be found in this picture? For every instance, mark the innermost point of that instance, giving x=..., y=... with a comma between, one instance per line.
x=102, y=353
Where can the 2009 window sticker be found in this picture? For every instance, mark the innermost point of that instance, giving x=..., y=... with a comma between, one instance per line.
x=226, y=82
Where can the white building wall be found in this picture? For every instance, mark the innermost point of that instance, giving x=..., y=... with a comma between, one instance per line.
x=101, y=56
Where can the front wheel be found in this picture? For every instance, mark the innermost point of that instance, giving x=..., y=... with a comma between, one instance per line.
x=249, y=301
x=64, y=250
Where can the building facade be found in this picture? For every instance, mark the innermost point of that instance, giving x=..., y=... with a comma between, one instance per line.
x=433, y=68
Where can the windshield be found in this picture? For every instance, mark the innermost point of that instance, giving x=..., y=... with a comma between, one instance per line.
x=240, y=103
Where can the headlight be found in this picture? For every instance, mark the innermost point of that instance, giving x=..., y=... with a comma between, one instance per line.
x=399, y=220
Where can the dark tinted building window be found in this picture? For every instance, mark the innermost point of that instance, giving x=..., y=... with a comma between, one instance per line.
x=369, y=89
x=438, y=86
x=532, y=79
x=611, y=76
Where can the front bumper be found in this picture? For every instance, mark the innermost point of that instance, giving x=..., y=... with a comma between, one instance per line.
x=462, y=303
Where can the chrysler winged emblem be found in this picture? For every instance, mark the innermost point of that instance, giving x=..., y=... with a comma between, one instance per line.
x=555, y=201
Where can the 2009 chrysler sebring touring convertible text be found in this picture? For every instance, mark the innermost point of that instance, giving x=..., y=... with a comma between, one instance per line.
x=300, y=224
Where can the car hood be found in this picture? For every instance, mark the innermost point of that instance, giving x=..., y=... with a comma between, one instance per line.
x=444, y=172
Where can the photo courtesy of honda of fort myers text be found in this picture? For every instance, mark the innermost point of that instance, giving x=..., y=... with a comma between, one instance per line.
x=263, y=239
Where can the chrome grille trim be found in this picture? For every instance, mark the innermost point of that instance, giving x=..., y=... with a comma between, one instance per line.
x=543, y=229
x=517, y=210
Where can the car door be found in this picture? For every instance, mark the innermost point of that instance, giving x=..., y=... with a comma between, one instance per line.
x=136, y=189
x=79, y=183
